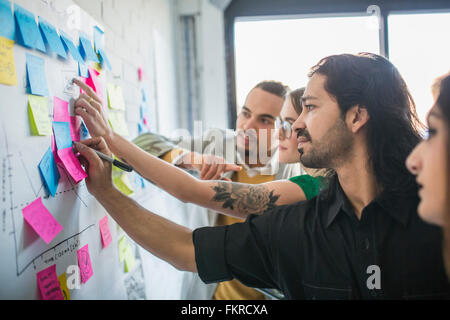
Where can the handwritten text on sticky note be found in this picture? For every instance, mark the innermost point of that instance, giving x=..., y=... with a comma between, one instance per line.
x=84, y=262
x=49, y=285
x=72, y=164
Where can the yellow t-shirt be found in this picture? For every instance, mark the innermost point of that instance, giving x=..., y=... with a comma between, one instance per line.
x=234, y=290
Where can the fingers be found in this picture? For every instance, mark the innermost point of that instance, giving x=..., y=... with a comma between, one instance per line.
x=81, y=103
x=89, y=155
x=97, y=143
x=92, y=102
x=232, y=167
x=90, y=92
x=213, y=169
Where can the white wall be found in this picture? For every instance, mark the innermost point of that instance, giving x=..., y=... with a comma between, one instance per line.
x=140, y=33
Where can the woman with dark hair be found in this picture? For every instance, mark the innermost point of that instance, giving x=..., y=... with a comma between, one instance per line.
x=430, y=162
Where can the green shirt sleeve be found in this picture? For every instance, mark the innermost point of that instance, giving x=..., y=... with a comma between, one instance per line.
x=311, y=186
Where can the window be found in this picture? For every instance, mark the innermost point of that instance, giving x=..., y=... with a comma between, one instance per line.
x=285, y=49
x=419, y=47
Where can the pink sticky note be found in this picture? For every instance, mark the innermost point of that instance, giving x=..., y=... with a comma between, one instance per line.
x=84, y=262
x=49, y=284
x=140, y=73
x=72, y=164
x=104, y=230
x=60, y=110
x=94, y=82
x=41, y=220
x=75, y=123
x=55, y=149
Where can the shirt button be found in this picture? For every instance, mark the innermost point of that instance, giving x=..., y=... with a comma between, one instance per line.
x=367, y=244
x=373, y=293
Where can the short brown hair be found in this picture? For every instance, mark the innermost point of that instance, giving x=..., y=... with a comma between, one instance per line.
x=274, y=87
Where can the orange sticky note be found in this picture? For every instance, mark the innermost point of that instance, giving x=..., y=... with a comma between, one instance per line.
x=41, y=220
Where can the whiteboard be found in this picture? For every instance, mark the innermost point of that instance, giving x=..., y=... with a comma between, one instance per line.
x=23, y=253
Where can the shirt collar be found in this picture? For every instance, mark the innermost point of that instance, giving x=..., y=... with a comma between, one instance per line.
x=400, y=208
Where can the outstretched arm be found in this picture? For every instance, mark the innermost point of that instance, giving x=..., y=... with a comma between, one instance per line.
x=165, y=239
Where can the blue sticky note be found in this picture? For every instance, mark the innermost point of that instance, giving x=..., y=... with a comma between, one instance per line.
x=98, y=37
x=104, y=58
x=70, y=47
x=86, y=49
x=28, y=29
x=52, y=38
x=7, y=27
x=83, y=70
x=144, y=95
x=84, y=132
x=49, y=172
x=36, y=75
x=63, y=138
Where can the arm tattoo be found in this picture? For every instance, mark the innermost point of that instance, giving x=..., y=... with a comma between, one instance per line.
x=248, y=199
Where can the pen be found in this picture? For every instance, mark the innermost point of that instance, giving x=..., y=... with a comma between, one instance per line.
x=114, y=162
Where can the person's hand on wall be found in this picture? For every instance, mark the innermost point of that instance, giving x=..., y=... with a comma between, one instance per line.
x=99, y=179
x=210, y=167
x=89, y=107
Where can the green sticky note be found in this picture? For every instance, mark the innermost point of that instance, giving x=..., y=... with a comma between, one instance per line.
x=123, y=184
x=115, y=97
x=123, y=243
x=117, y=122
x=40, y=123
x=129, y=259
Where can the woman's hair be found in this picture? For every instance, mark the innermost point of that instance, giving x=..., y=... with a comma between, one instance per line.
x=296, y=100
x=442, y=85
x=393, y=129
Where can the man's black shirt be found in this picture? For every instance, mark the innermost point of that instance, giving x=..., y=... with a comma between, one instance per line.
x=318, y=249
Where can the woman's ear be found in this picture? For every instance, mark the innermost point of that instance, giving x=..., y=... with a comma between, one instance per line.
x=356, y=118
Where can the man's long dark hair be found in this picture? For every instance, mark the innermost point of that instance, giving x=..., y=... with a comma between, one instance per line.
x=393, y=129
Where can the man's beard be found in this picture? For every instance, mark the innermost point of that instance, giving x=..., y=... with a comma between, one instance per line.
x=329, y=151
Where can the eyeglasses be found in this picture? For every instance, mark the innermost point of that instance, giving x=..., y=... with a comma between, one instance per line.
x=285, y=126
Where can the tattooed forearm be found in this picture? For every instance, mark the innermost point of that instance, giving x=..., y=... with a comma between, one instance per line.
x=244, y=198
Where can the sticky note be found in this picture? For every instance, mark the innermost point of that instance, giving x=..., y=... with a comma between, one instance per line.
x=49, y=172
x=123, y=244
x=83, y=70
x=84, y=262
x=72, y=164
x=7, y=26
x=117, y=122
x=105, y=232
x=129, y=259
x=86, y=49
x=94, y=82
x=140, y=74
x=98, y=38
x=60, y=110
x=70, y=47
x=75, y=126
x=115, y=97
x=49, y=285
x=54, y=150
x=28, y=29
x=62, y=135
x=7, y=66
x=123, y=184
x=36, y=75
x=63, y=284
x=104, y=58
x=52, y=38
x=38, y=112
x=41, y=220
x=84, y=132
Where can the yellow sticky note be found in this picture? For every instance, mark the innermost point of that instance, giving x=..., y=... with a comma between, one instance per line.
x=122, y=182
x=63, y=284
x=115, y=97
x=7, y=67
x=123, y=244
x=117, y=122
x=38, y=112
x=129, y=259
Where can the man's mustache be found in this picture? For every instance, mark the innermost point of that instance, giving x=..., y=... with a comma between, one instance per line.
x=303, y=133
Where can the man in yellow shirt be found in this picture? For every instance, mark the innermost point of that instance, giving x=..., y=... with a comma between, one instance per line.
x=248, y=147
